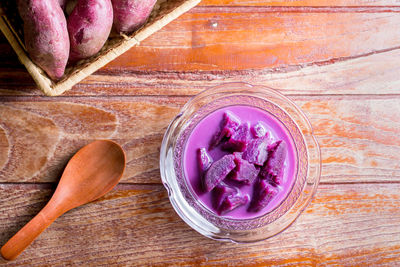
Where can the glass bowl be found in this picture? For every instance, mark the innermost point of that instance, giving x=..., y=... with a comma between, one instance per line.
x=184, y=200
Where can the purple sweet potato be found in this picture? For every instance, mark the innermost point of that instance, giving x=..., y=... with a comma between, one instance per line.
x=257, y=151
x=231, y=202
x=220, y=192
x=259, y=130
x=263, y=193
x=229, y=125
x=89, y=26
x=228, y=198
x=46, y=35
x=129, y=15
x=272, y=169
x=244, y=171
x=218, y=171
x=239, y=139
x=204, y=159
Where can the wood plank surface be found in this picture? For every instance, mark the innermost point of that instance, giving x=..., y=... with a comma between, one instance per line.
x=359, y=136
x=373, y=74
x=208, y=39
x=286, y=50
x=338, y=60
x=354, y=224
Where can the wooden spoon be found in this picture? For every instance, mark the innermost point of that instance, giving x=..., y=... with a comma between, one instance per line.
x=93, y=171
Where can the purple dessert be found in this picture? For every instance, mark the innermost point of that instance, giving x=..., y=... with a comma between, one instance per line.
x=240, y=162
x=218, y=171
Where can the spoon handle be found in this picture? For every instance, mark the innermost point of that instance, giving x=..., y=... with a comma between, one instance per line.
x=29, y=232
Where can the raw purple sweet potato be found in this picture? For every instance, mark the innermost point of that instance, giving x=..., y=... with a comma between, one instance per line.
x=129, y=15
x=228, y=198
x=272, y=169
x=89, y=26
x=239, y=139
x=229, y=125
x=218, y=171
x=262, y=195
x=257, y=151
x=46, y=35
x=244, y=171
x=258, y=130
x=204, y=160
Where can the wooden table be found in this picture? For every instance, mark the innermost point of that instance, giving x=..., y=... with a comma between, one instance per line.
x=338, y=60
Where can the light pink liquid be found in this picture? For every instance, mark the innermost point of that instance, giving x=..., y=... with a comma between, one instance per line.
x=201, y=136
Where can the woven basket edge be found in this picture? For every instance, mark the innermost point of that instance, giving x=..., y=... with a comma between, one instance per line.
x=100, y=62
x=183, y=8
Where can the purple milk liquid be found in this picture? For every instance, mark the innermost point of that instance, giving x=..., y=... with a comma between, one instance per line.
x=203, y=133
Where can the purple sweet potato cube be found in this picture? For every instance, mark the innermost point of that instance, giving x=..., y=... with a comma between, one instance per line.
x=220, y=192
x=257, y=151
x=244, y=172
x=239, y=139
x=229, y=125
x=258, y=130
x=272, y=169
x=262, y=195
x=231, y=202
x=218, y=171
x=227, y=198
x=204, y=160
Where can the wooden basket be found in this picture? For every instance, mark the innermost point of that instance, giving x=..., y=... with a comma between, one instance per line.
x=163, y=13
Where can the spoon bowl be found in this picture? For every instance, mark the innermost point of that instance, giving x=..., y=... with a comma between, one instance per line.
x=93, y=171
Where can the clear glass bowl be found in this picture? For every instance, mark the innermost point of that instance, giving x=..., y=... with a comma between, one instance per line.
x=180, y=193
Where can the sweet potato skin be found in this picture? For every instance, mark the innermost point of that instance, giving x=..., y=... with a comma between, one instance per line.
x=46, y=35
x=89, y=26
x=129, y=15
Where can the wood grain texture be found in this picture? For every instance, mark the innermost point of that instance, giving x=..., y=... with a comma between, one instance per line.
x=375, y=74
x=40, y=151
x=359, y=136
x=213, y=40
x=338, y=60
x=345, y=225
